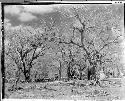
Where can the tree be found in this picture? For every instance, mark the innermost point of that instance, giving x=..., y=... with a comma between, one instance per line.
x=93, y=28
x=23, y=48
x=88, y=36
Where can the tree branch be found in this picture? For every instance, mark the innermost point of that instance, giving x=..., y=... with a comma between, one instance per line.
x=26, y=52
x=109, y=43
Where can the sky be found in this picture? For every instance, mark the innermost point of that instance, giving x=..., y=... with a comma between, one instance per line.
x=16, y=15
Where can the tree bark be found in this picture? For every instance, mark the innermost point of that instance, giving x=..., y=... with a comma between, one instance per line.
x=80, y=75
x=27, y=75
x=68, y=71
x=91, y=73
x=60, y=70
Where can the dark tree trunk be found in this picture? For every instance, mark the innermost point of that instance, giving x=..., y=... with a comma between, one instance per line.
x=60, y=70
x=91, y=73
x=80, y=75
x=69, y=72
x=27, y=75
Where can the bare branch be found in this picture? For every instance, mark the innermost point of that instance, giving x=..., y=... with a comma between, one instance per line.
x=71, y=42
x=36, y=56
x=26, y=52
x=109, y=43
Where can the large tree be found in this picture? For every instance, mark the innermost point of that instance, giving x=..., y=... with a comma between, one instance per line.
x=97, y=31
x=24, y=46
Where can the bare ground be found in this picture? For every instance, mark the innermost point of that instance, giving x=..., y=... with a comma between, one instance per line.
x=80, y=90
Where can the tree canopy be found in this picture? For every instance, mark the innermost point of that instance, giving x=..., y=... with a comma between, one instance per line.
x=87, y=40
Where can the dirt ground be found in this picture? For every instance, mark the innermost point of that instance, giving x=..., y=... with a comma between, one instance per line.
x=79, y=90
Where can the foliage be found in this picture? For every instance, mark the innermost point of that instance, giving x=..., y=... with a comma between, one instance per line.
x=86, y=41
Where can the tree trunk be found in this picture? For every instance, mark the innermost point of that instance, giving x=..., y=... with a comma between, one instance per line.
x=68, y=72
x=27, y=75
x=80, y=75
x=91, y=73
x=60, y=69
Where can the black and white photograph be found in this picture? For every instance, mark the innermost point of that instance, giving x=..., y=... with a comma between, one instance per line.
x=63, y=51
